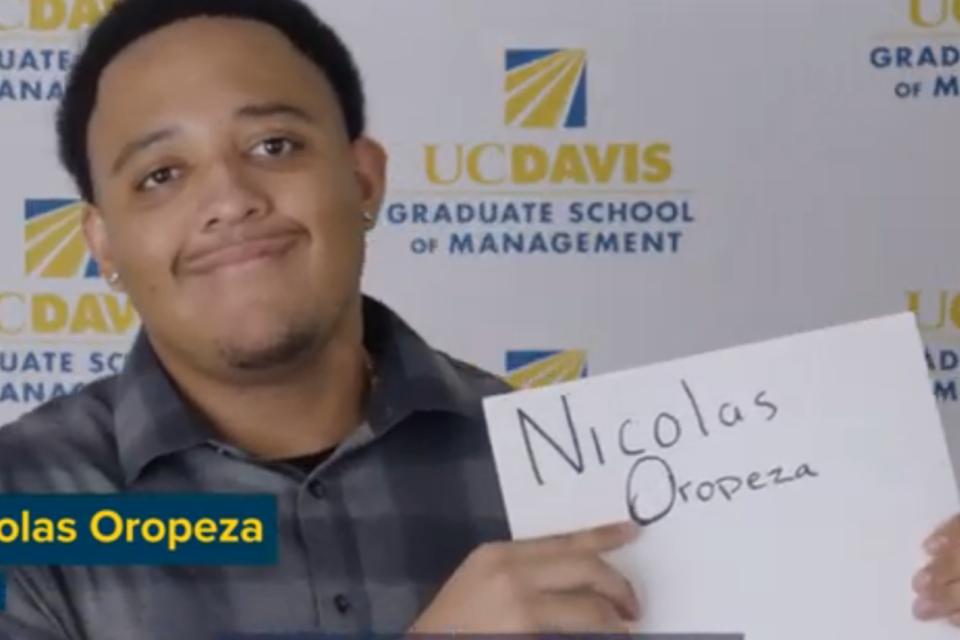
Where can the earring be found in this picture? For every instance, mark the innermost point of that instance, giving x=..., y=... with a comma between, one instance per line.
x=113, y=279
x=369, y=219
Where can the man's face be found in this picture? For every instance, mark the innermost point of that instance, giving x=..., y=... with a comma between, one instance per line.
x=228, y=195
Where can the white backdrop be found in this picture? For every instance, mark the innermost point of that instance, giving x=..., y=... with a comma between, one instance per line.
x=812, y=144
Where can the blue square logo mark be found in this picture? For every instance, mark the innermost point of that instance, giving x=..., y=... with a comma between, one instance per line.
x=545, y=88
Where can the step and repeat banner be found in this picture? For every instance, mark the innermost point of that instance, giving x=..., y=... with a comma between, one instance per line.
x=576, y=187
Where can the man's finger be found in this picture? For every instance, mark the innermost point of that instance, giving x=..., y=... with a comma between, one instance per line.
x=586, y=572
x=942, y=602
x=597, y=540
x=946, y=534
x=941, y=571
x=577, y=613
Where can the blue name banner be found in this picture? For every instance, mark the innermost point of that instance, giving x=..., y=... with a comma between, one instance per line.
x=138, y=529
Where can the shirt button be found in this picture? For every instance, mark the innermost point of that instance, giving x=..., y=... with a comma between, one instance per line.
x=317, y=489
x=342, y=603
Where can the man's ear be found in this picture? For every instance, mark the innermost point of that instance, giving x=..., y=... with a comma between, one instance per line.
x=371, y=172
x=95, y=231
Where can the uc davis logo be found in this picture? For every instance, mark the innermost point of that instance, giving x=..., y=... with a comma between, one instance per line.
x=935, y=310
x=931, y=14
x=54, y=242
x=51, y=15
x=36, y=71
x=546, y=88
x=938, y=317
x=530, y=369
x=919, y=66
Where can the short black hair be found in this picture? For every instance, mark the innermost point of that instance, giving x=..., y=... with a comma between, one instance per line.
x=129, y=20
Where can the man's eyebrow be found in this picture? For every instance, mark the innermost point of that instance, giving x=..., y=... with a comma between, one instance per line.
x=269, y=109
x=264, y=110
x=140, y=144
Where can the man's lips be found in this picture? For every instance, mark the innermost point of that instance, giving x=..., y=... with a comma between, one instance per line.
x=239, y=253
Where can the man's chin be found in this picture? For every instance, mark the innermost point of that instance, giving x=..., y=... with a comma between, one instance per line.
x=266, y=352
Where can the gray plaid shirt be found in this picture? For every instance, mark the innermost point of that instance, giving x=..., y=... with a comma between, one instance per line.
x=366, y=538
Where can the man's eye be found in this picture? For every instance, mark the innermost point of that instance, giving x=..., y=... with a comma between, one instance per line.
x=157, y=178
x=274, y=147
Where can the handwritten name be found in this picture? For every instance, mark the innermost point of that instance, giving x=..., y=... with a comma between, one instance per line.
x=652, y=487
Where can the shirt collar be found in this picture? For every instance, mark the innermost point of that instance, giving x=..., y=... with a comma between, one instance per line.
x=152, y=418
x=410, y=376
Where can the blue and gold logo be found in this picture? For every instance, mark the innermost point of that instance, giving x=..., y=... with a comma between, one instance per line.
x=543, y=187
x=546, y=88
x=931, y=14
x=39, y=45
x=922, y=61
x=938, y=318
x=63, y=302
x=54, y=243
x=51, y=16
x=531, y=369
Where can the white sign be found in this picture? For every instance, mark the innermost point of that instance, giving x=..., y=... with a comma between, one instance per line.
x=787, y=487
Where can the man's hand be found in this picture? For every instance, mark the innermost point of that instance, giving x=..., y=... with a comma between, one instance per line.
x=938, y=584
x=556, y=584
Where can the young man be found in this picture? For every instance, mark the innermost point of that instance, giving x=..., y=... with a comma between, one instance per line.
x=220, y=147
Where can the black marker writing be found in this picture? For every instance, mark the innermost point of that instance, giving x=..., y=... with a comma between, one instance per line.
x=653, y=490
x=526, y=423
x=666, y=431
x=674, y=427
x=730, y=418
x=624, y=447
x=596, y=445
x=648, y=500
x=762, y=402
x=696, y=408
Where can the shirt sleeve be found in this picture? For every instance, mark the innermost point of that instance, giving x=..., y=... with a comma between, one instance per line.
x=35, y=606
x=36, y=602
